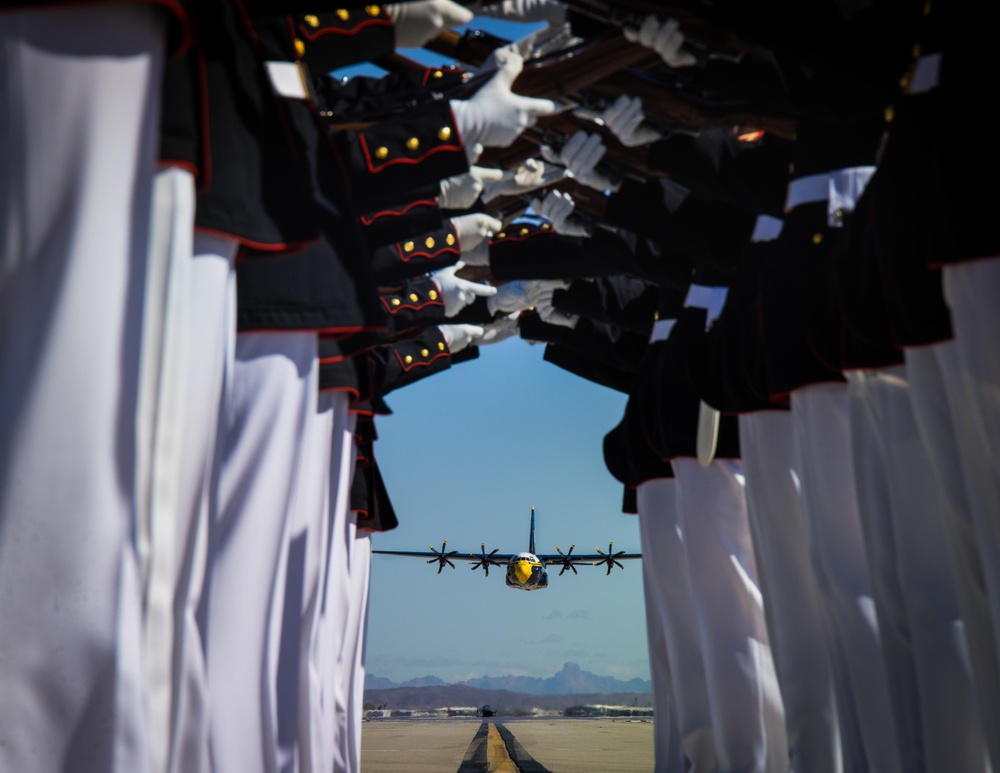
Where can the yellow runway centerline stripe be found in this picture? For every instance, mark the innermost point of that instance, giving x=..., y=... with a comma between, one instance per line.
x=496, y=753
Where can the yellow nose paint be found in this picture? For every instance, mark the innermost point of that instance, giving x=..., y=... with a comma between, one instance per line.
x=522, y=569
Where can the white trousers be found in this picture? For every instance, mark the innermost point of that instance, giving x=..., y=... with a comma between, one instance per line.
x=211, y=352
x=338, y=602
x=188, y=337
x=939, y=412
x=256, y=569
x=317, y=737
x=837, y=550
x=667, y=754
x=159, y=433
x=676, y=667
x=79, y=98
x=923, y=637
x=747, y=715
x=792, y=610
x=973, y=384
x=352, y=658
x=314, y=517
x=971, y=291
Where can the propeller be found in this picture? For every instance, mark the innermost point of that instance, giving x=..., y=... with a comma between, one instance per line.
x=566, y=560
x=441, y=557
x=609, y=558
x=485, y=561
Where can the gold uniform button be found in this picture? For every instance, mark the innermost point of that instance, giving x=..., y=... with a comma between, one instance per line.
x=524, y=232
x=312, y=21
x=373, y=10
x=440, y=346
x=501, y=235
x=396, y=301
x=408, y=246
x=444, y=133
x=342, y=14
x=381, y=152
x=450, y=239
x=817, y=238
x=433, y=295
x=927, y=8
x=546, y=226
x=791, y=169
x=414, y=297
x=413, y=143
x=300, y=47
x=656, y=316
x=890, y=113
x=839, y=214
x=407, y=359
x=424, y=353
x=916, y=50
x=429, y=242
x=437, y=74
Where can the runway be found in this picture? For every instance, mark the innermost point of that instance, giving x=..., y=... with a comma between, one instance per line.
x=507, y=745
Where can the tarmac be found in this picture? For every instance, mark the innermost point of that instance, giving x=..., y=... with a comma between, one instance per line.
x=524, y=745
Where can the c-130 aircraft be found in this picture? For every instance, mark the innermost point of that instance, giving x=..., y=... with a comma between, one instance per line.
x=526, y=570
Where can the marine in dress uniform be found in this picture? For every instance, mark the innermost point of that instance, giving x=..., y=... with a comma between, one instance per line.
x=82, y=102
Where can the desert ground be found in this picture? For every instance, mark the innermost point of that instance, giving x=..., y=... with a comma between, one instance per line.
x=555, y=744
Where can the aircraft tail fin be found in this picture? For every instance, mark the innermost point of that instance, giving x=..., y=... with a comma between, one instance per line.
x=531, y=539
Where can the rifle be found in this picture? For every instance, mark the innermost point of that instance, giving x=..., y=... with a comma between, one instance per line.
x=594, y=72
x=701, y=37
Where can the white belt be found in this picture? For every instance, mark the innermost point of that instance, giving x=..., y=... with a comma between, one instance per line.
x=767, y=228
x=661, y=329
x=840, y=189
x=712, y=299
x=289, y=79
x=926, y=71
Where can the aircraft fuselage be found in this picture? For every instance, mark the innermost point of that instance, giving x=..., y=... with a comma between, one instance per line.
x=527, y=572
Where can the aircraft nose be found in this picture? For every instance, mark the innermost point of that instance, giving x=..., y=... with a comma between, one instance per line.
x=522, y=569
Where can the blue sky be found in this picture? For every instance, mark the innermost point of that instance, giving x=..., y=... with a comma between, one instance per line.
x=465, y=455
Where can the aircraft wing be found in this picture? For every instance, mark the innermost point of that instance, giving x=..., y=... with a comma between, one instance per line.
x=571, y=561
x=482, y=560
x=414, y=553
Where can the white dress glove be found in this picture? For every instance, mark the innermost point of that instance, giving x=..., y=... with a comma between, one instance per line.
x=530, y=175
x=461, y=191
x=457, y=292
x=624, y=118
x=549, y=11
x=580, y=155
x=457, y=337
x=664, y=37
x=557, y=207
x=540, y=290
x=511, y=297
x=474, y=231
x=500, y=330
x=416, y=23
x=495, y=116
x=542, y=302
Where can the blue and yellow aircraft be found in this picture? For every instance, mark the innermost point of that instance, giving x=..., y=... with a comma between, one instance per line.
x=526, y=570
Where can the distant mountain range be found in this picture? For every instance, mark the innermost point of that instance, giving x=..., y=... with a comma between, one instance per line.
x=571, y=680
